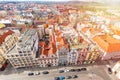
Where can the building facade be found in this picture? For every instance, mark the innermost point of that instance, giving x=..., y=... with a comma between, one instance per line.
x=24, y=52
x=7, y=42
x=92, y=56
x=72, y=57
x=82, y=52
x=48, y=56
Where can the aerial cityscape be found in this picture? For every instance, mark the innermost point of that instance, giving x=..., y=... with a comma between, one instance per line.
x=59, y=40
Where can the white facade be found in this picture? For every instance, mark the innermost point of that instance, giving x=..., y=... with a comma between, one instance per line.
x=72, y=57
x=24, y=53
x=63, y=56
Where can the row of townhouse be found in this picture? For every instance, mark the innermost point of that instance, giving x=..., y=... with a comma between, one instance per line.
x=53, y=51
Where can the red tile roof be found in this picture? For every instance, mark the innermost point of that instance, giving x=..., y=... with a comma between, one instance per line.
x=65, y=23
x=62, y=42
x=107, y=43
x=85, y=29
x=48, y=49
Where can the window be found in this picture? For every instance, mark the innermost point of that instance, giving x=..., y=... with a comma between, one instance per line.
x=52, y=56
x=42, y=56
x=25, y=54
x=12, y=55
x=20, y=51
x=29, y=54
x=6, y=47
x=24, y=51
x=16, y=55
x=55, y=61
x=21, y=55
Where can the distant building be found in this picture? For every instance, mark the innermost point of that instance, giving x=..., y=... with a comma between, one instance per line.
x=3, y=13
x=41, y=31
x=6, y=22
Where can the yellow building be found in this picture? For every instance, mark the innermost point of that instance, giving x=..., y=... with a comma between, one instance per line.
x=92, y=55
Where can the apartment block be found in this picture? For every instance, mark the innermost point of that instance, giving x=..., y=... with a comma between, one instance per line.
x=7, y=42
x=24, y=52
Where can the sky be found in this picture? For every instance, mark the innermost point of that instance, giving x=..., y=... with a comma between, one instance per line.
x=103, y=1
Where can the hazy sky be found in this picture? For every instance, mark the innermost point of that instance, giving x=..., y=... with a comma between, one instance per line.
x=104, y=1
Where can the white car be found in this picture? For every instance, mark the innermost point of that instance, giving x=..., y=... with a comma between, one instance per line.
x=37, y=73
x=67, y=70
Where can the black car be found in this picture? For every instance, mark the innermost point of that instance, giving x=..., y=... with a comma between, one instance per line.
x=61, y=71
x=68, y=77
x=30, y=74
x=110, y=70
x=83, y=69
x=74, y=76
x=78, y=70
x=56, y=78
x=72, y=70
x=45, y=72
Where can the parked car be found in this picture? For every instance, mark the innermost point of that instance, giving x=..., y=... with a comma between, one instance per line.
x=56, y=78
x=30, y=74
x=45, y=72
x=62, y=77
x=72, y=70
x=74, y=76
x=68, y=77
x=78, y=70
x=67, y=70
x=83, y=69
x=109, y=70
x=61, y=71
x=37, y=73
